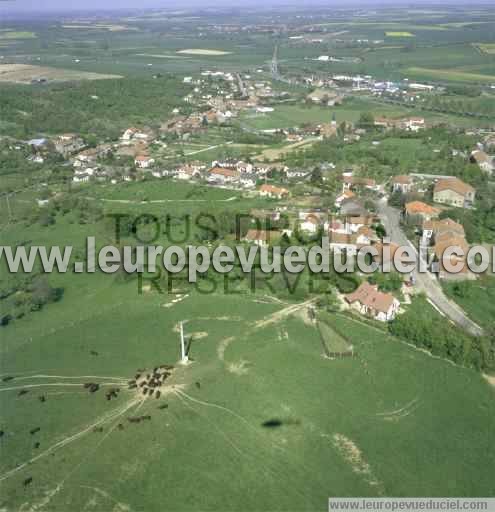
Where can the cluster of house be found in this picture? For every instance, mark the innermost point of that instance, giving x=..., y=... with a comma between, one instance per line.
x=438, y=235
x=347, y=232
x=326, y=97
x=448, y=191
x=412, y=124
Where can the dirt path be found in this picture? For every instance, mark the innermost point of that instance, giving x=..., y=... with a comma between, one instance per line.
x=278, y=316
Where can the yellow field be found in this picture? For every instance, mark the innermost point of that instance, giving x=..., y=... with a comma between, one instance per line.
x=202, y=51
x=23, y=74
x=448, y=74
x=399, y=34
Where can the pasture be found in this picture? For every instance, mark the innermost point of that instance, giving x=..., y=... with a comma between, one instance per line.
x=258, y=407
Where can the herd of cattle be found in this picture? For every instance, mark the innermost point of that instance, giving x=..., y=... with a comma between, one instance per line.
x=147, y=383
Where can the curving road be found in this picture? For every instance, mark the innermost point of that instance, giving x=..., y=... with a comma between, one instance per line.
x=426, y=282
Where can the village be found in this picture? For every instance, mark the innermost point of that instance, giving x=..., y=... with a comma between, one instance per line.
x=350, y=216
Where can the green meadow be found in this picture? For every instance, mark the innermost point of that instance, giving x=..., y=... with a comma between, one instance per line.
x=257, y=408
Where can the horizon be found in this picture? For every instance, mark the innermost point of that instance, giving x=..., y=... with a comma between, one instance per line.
x=31, y=7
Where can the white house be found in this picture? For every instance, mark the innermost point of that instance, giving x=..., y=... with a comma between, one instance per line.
x=144, y=161
x=248, y=180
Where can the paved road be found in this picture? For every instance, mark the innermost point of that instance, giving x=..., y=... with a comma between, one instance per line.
x=426, y=282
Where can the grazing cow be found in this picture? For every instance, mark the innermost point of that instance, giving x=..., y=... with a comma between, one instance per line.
x=35, y=430
x=98, y=429
x=23, y=392
x=37, y=445
x=120, y=426
x=198, y=385
x=27, y=481
x=42, y=398
x=92, y=387
x=147, y=417
x=163, y=406
x=2, y=433
x=94, y=353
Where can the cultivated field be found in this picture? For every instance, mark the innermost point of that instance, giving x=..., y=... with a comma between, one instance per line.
x=203, y=51
x=13, y=34
x=454, y=75
x=399, y=34
x=24, y=74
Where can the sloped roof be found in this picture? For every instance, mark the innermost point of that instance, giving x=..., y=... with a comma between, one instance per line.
x=454, y=184
x=403, y=179
x=420, y=208
x=257, y=234
x=368, y=295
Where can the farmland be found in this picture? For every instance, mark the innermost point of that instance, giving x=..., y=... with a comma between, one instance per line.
x=194, y=127
x=399, y=34
x=260, y=403
x=21, y=34
x=24, y=74
x=487, y=48
x=448, y=74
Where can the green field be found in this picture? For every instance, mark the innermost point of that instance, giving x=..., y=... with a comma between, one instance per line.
x=166, y=191
x=448, y=74
x=22, y=34
x=285, y=401
x=269, y=410
x=259, y=407
x=488, y=48
x=477, y=298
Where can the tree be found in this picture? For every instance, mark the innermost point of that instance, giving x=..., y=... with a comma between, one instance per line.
x=366, y=120
x=316, y=175
x=42, y=293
